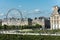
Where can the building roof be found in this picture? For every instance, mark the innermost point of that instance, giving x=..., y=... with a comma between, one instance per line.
x=56, y=10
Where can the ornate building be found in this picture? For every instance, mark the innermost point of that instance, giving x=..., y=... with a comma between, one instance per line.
x=13, y=21
x=43, y=21
x=55, y=18
x=39, y=21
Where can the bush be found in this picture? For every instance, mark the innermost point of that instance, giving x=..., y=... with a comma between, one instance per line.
x=11, y=27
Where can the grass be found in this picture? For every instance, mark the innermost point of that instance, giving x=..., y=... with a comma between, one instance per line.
x=27, y=37
x=42, y=31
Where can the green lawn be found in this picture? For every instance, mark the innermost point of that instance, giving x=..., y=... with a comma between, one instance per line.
x=27, y=37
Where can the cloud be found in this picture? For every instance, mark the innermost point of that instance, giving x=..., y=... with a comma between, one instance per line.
x=31, y=12
x=24, y=11
x=35, y=11
x=20, y=6
x=1, y=14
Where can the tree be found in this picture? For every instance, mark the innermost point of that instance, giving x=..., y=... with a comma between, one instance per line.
x=35, y=18
x=38, y=26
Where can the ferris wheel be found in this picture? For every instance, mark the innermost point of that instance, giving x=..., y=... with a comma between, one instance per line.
x=14, y=16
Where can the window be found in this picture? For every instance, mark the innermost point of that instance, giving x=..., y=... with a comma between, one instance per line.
x=54, y=21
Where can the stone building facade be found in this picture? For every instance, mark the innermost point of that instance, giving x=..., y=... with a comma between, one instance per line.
x=55, y=18
x=43, y=21
x=39, y=21
x=16, y=22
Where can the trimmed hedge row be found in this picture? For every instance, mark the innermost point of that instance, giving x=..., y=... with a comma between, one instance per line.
x=5, y=27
